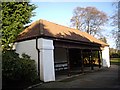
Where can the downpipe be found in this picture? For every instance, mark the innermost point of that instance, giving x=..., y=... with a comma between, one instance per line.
x=38, y=50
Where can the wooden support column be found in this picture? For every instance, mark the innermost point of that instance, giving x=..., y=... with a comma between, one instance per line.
x=99, y=59
x=82, y=61
x=67, y=53
x=91, y=59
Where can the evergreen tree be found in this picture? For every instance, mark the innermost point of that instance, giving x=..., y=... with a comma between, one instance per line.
x=14, y=16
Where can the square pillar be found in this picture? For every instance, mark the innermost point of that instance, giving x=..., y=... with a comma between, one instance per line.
x=47, y=72
x=105, y=57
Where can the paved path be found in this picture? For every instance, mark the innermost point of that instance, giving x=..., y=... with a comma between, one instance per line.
x=105, y=78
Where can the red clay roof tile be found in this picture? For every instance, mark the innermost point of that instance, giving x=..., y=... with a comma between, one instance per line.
x=46, y=28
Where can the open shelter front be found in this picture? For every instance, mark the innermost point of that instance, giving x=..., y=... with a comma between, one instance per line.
x=57, y=48
x=74, y=58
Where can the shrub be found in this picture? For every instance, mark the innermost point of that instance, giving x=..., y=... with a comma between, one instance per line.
x=18, y=69
x=28, y=68
x=115, y=55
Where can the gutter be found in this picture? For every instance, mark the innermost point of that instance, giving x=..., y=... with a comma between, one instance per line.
x=38, y=50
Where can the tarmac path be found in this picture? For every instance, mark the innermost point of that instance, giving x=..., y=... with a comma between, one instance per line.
x=104, y=78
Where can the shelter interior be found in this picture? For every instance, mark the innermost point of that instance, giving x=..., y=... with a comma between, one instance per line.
x=69, y=61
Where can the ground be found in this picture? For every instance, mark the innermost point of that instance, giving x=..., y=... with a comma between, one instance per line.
x=103, y=78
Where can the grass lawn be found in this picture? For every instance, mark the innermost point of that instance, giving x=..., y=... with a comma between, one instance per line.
x=115, y=61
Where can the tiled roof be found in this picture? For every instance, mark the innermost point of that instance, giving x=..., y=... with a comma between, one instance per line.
x=46, y=28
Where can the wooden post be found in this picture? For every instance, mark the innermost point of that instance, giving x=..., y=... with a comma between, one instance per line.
x=67, y=53
x=99, y=60
x=82, y=62
x=91, y=58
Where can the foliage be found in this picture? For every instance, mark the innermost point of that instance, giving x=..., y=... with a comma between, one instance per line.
x=103, y=39
x=14, y=16
x=88, y=19
x=86, y=57
x=18, y=69
x=114, y=53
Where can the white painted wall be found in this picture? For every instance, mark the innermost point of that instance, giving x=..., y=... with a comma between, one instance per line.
x=105, y=57
x=28, y=47
x=46, y=47
x=47, y=72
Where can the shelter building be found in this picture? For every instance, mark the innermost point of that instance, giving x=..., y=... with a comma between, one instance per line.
x=55, y=47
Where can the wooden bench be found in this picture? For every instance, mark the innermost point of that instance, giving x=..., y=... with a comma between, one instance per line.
x=61, y=66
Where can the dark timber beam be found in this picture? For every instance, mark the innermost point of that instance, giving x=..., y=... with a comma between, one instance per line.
x=67, y=53
x=99, y=60
x=82, y=61
x=91, y=59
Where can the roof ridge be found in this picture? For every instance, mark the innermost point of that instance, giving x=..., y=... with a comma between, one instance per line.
x=59, y=24
x=41, y=31
x=63, y=26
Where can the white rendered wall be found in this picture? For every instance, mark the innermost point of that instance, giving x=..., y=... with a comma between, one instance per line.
x=47, y=72
x=28, y=47
x=46, y=47
x=105, y=57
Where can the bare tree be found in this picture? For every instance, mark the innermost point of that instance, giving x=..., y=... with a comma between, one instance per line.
x=103, y=39
x=116, y=24
x=89, y=19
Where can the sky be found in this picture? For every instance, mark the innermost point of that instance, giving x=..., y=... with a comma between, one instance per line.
x=62, y=12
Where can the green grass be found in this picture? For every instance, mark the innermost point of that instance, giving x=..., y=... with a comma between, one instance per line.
x=115, y=61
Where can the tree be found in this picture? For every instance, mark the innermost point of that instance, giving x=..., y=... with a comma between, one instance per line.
x=14, y=16
x=103, y=39
x=88, y=19
x=114, y=53
x=116, y=24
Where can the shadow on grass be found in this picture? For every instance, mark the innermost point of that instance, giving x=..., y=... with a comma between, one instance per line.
x=115, y=61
